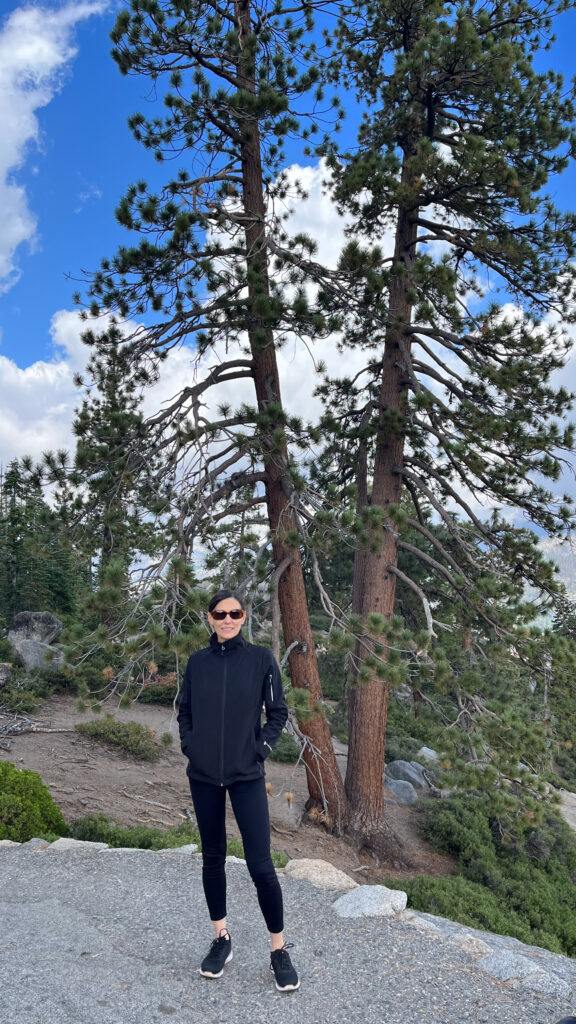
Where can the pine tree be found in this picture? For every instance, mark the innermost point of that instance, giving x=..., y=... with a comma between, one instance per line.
x=40, y=569
x=455, y=409
x=117, y=519
x=211, y=269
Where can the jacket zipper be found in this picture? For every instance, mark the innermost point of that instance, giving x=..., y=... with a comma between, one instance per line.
x=271, y=688
x=224, y=681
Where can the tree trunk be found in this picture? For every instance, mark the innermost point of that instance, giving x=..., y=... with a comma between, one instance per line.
x=325, y=786
x=374, y=585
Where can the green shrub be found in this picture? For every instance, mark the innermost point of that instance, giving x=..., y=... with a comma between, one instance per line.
x=513, y=879
x=338, y=721
x=158, y=694
x=401, y=747
x=96, y=828
x=332, y=672
x=286, y=750
x=26, y=808
x=234, y=848
x=19, y=702
x=135, y=739
x=57, y=681
x=6, y=651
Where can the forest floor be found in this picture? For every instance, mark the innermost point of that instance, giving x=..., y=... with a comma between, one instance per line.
x=87, y=777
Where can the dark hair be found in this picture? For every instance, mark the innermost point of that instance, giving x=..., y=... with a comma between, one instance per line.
x=222, y=595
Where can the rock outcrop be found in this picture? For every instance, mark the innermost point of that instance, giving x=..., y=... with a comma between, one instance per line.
x=31, y=635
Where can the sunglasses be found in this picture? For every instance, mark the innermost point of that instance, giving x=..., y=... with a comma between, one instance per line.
x=219, y=616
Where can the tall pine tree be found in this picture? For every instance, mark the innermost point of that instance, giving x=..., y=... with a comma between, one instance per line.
x=210, y=270
x=455, y=409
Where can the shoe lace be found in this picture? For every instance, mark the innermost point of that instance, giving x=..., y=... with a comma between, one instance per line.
x=219, y=942
x=282, y=955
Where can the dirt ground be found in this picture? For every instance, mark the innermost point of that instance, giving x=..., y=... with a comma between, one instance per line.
x=87, y=777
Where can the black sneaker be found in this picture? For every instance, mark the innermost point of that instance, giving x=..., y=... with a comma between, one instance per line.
x=284, y=974
x=220, y=953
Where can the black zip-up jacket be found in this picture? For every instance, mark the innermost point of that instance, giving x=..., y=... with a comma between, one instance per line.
x=224, y=688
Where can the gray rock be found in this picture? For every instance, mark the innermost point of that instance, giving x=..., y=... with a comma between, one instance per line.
x=5, y=673
x=427, y=754
x=41, y=626
x=407, y=771
x=371, y=901
x=75, y=844
x=416, y=920
x=125, y=849
x=473, y=945
x=31, y=635
x=37, y=655
x=403, y=791
x=188, y=848
x=516, y=969
x=322, y=874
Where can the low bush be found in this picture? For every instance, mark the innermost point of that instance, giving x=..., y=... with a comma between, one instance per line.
x=401, y=747
x=7, y=653
x=466, y=902
x=234, y=848
x=18, y=702
x=513, y=879
x=158, y=693
x=26, y=691
x=26, y=808
x=286, y=750
x=96, y=828
x=135, y=739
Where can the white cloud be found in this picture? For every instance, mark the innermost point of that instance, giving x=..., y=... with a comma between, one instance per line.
x=36, y=48
x=37, y=402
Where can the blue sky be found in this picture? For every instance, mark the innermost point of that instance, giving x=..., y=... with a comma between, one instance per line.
x=66, y=157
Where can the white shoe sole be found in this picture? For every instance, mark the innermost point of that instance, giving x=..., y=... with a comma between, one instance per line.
x=287, y=988
x=208, y=974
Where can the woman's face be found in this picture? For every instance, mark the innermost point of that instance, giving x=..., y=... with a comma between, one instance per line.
x=227, y=628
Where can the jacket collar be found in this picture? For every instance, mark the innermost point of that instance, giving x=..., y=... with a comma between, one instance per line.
x=228, y=645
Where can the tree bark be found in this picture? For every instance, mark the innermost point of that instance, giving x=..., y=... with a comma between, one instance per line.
x=325, y=786
x=374, y=584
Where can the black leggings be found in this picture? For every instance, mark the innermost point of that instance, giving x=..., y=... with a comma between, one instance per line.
x=250, y=806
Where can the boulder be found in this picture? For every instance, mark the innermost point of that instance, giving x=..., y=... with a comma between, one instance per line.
x=419, y=921
x=65, y=843
x=37, y=655
x=427, y=754
x=371, y=901
x=403, y=791
x=31, y=635
x=408, y=771
x=5, y=673
x=322, y=874
x=41, y=626
x=188, y=848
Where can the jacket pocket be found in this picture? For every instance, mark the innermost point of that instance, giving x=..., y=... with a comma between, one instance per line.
x=186, y=744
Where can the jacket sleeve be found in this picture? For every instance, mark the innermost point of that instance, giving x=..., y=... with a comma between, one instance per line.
x=185, y=710
x=275, y=708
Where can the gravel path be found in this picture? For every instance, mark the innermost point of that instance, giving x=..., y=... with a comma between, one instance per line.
x=116, y=937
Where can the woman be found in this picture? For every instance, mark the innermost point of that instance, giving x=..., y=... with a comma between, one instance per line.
x=225, y=686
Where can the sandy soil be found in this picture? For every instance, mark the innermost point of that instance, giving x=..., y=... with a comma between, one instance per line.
x=86, y=777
